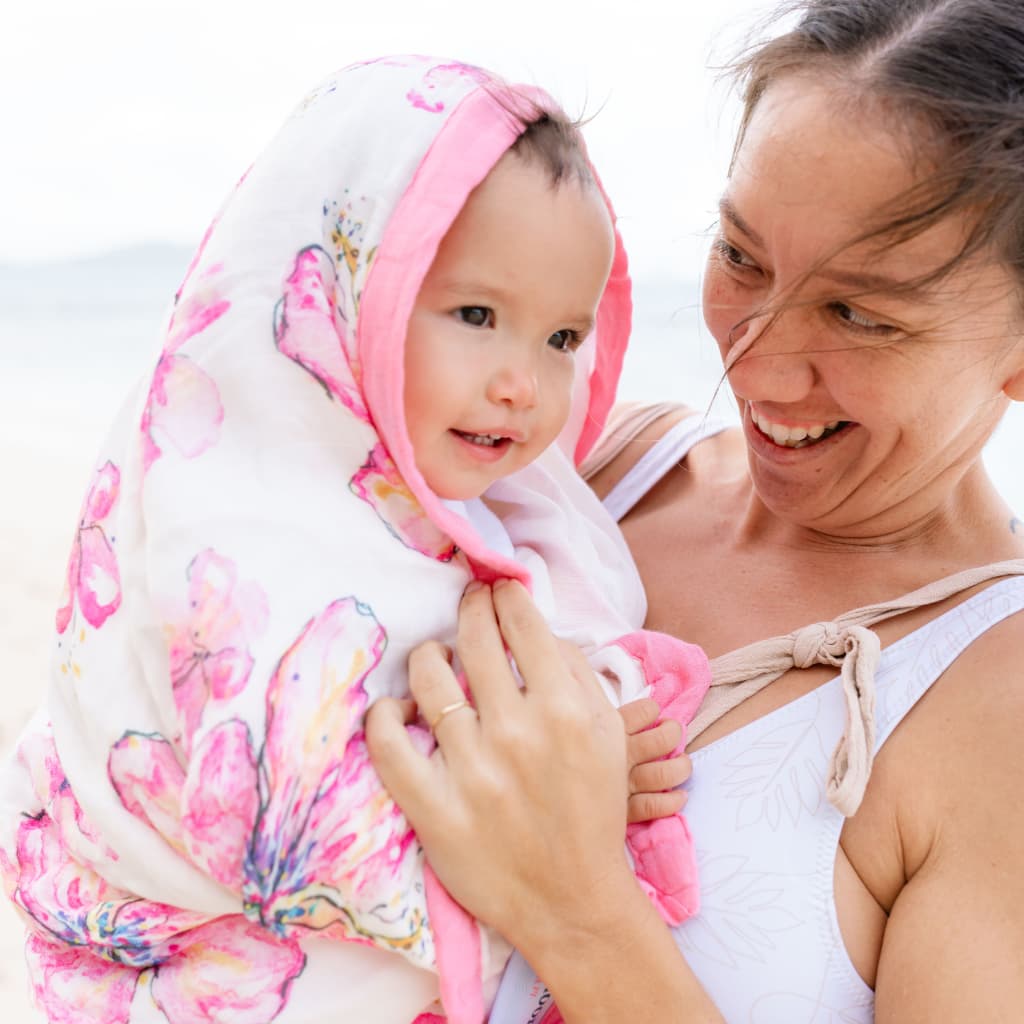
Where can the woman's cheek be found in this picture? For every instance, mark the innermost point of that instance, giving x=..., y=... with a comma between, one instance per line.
x=723, y=305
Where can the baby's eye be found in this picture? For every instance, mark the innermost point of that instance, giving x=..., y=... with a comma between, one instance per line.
x=476, y=316
x=565, y=340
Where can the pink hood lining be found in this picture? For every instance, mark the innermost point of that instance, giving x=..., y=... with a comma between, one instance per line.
x=473, y=139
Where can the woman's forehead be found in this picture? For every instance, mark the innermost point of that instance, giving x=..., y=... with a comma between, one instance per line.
x=815, y=177
x=807, y=147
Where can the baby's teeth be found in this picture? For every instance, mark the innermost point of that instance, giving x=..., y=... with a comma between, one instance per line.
x=816, y=432
x=780, y=434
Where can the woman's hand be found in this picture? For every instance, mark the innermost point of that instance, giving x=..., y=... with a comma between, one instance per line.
x=523, y=810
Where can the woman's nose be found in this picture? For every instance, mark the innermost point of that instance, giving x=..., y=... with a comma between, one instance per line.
x=769, y=358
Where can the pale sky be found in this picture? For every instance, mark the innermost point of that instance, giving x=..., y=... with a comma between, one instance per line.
x=128, y=122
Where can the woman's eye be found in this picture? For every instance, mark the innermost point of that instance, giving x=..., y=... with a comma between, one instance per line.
x=565, y=340
x=476, y=316
x=858, y=320
x=736, y=258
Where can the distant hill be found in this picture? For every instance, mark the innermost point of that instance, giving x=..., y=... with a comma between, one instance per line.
x=142, y=279
x=136, y=279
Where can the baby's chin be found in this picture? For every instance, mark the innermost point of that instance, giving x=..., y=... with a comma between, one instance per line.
x=446, y=492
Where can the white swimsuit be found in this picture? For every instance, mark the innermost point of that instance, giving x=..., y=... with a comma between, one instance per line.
x=766, y=943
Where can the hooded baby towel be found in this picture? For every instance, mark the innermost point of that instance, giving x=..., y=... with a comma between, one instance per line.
x=192, y=826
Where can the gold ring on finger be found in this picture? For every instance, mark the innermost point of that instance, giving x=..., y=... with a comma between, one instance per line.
x=447, y=710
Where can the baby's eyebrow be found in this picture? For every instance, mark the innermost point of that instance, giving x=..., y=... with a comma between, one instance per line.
x=474, y=289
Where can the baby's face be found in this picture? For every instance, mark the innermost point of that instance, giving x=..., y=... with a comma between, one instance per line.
x=489, y=354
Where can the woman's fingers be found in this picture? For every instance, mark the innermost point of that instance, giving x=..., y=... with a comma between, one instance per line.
x=484, y=659
x=529, y=639
x=655, y=743
x=405, y=772
x=442, y=704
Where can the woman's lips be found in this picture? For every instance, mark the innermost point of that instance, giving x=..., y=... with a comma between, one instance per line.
x=787, y=436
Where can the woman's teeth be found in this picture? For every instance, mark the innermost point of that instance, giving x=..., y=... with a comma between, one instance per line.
x=794, y=437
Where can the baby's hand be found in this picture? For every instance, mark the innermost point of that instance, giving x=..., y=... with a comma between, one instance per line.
x=652, y=773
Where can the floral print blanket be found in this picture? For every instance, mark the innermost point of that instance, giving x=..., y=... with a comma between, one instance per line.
x=191, y=826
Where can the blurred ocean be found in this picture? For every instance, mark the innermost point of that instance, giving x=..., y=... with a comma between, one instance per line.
x=75, y=335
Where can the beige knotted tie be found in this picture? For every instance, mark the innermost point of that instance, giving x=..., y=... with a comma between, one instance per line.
x=848, y=644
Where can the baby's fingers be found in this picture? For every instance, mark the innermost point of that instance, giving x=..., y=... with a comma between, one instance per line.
x=648, y=806
x=656, y=776
x=655, y=743
x=638, y=715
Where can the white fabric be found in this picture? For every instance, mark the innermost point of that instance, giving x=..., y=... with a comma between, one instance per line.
x=487, y=525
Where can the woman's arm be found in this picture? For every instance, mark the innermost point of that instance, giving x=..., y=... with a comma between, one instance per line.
x=954, y=771
x=523, y=814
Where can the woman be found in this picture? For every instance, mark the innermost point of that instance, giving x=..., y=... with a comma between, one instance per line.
x=865, y=293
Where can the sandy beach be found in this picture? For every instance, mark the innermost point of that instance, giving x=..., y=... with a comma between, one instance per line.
x=34, y=538
x=45, y=474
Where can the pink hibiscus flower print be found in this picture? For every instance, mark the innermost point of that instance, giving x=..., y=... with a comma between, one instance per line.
x=93, y=581
x=310, y=330
x=430, y=96
x=209, y=645
x=92, y=945
x=230, y=970
x=381, y=486
x=297, y=822
x=184, y=407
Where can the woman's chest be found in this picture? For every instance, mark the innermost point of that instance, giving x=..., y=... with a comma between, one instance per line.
x=767, y=943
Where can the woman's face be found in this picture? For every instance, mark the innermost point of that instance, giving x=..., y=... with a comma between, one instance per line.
x=862, y=405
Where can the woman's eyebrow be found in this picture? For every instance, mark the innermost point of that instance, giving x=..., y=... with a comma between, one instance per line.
x=869, y=283
x=864, y=282
x=731, y=214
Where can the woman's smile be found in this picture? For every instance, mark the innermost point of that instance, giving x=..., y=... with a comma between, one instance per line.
x=787, y=436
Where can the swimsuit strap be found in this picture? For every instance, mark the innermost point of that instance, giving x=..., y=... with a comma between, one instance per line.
x=846, y=643
x=625, y=422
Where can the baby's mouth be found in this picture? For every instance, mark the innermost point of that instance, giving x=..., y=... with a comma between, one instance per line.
x=796, y=437
x=484, y=440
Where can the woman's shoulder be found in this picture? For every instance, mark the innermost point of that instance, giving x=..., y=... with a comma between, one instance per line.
x=965, y=729
x=634, y=429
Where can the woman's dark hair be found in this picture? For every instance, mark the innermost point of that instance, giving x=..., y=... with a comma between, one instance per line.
x=950, y=73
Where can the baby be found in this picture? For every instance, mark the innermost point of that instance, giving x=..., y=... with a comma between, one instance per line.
x=405, y=325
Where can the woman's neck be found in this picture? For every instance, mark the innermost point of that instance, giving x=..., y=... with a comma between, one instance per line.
x=969, y=526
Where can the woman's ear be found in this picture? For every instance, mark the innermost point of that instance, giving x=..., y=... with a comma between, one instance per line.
x=1014, y=387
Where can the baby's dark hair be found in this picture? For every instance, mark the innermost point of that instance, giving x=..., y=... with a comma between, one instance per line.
x=554, y=142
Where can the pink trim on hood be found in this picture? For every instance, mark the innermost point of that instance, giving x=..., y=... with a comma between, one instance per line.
x=474, y=138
